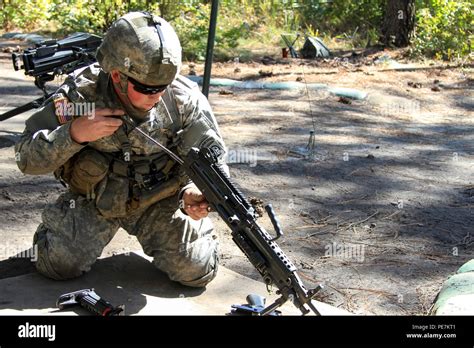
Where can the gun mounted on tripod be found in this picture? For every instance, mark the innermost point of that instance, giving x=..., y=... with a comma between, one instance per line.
x=51, y=58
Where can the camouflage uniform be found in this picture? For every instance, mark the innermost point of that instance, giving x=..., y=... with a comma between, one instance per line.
x=107, y=191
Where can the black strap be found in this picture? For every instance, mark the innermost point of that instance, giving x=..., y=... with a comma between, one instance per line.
x=125, y=145
x=159, y=31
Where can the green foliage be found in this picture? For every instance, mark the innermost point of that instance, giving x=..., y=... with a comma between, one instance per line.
x=235, y=23
x=342, y=16
x=445, y=29
x=26, y=15
x=92, y=15
x=77, y=15
x=192, y=26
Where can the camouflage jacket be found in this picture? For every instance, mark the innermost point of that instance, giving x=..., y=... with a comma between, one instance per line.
x=182, y=117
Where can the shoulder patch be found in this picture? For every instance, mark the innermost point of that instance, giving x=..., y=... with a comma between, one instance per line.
x=61, y=109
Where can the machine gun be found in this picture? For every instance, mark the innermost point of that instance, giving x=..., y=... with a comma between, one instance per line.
x=202, y=167
x=50, y=58
x=260, y=248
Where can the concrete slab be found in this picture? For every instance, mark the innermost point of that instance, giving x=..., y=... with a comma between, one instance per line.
x=132, y=280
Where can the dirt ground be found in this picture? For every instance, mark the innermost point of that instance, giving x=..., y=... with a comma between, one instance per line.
x=381, y=212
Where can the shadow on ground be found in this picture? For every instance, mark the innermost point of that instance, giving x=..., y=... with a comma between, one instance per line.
x=123, y=279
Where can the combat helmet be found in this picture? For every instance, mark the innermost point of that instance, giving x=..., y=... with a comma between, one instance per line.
x=142, y=46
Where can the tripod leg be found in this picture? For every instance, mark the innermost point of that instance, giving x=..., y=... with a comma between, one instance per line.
x=21, y=109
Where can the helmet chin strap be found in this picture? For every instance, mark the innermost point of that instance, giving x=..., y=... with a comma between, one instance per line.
x=121, y=89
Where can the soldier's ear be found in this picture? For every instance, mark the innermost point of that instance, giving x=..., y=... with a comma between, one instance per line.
x=115, y=74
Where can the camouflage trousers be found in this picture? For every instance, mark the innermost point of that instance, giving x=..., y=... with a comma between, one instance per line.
x=73, y=234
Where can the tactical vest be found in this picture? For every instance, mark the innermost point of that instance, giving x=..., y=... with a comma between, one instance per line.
x=122, y=182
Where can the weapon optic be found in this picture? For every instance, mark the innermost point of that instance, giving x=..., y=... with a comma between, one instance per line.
x=50, y=58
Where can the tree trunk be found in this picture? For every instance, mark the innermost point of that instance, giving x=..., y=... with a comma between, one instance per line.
x=399, y=22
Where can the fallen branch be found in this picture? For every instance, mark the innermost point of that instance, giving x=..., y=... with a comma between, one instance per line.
x=353, y=199
x=390, y=215
x=362, y=221
x=309, y=226
x=380, y=292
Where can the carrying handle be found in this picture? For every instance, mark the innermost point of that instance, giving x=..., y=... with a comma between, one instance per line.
x=275, y=222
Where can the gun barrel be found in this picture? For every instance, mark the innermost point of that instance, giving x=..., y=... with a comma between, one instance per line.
x=265, y=255
x=259, y=247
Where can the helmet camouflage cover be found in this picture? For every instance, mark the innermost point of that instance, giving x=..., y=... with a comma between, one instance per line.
x=142, y=46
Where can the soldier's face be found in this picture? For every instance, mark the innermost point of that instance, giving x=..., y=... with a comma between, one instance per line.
x=139, y=100
x=142, y=101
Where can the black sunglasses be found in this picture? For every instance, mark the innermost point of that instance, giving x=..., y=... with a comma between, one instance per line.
x=145, y=89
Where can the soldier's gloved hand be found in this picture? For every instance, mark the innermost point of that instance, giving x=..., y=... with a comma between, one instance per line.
x=195, y=204
x=101, y=124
